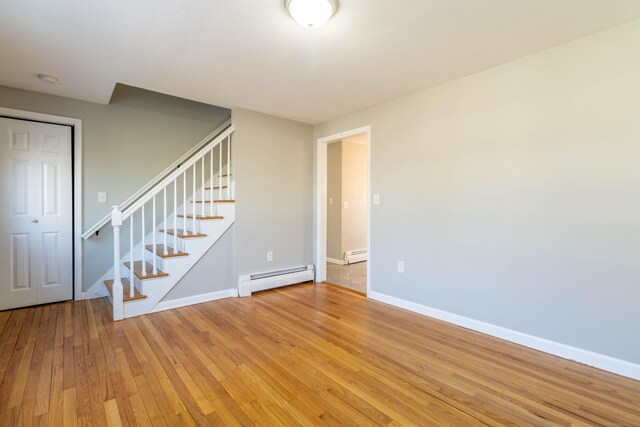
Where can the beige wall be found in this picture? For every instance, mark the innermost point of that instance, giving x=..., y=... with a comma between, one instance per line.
x=354, y=192
x=334, y=192
x=346, y=186
x=513, y=195
x=273, y=175
x=125, y=144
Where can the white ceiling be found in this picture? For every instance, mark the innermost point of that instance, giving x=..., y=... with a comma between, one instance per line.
x=250, y=54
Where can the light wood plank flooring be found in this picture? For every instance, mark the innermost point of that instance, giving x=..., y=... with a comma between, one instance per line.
x=304, y=355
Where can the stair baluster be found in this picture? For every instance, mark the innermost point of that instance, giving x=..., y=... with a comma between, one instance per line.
x=193, y=200
x=153, y=240
x=175, y=216
x=131, y=281
x=203, y=187
x=211, y=184
x=144, y=243
x=166, y=225
x=184, y=202
x=228, y=167
x=232, y=188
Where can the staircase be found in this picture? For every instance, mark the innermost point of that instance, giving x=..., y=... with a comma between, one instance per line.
x=165, y=232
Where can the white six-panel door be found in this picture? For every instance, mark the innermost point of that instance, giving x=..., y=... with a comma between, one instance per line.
x=36, y=213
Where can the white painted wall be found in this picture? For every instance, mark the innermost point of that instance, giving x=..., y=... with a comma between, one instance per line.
x=513, y=195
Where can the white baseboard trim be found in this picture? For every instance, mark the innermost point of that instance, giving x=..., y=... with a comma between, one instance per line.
x=352, y=257
x=335, y=261
x=597, y=360
x=196, y=299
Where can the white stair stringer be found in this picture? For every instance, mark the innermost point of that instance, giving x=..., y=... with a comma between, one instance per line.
x=156, y=289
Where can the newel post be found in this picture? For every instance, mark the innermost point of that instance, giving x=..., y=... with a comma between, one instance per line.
x=118, y=291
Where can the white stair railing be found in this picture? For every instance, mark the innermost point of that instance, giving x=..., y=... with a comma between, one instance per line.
x=107, y=218
x=118, y=216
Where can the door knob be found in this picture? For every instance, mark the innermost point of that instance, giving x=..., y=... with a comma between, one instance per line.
x=35, y=221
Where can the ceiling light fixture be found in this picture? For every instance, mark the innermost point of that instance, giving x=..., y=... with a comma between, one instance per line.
x=311, y=13
x=46, y=78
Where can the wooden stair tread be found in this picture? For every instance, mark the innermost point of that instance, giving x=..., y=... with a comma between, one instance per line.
x=201, y=217
x=184, y=234
x=137, y=270
x=215, y=201
x=160, y=251
x=224, y=187
x=125, y=286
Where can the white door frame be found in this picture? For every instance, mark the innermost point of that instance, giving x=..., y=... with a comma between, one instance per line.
x=76, y=124
x=321, y=201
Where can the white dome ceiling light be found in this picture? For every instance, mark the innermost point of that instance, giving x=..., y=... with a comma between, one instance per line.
x=311, y=13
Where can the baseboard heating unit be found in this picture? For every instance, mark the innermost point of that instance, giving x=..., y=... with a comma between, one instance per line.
x=274, y=279
x=355, y=256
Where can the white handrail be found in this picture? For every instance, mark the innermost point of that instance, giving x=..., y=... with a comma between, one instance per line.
x=104, y=221
x=169, y=179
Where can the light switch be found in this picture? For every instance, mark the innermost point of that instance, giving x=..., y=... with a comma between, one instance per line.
x=269, y=256
x=376, y=199
x=330, y=201
x=102, y=197
x=346, y=205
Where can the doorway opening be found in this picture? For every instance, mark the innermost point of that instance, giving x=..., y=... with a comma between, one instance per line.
x=343, y=190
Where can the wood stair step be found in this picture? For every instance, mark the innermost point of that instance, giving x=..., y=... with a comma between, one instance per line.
x=202, y=217
x=184, y=234
x=125, y=285
x=224, y=187
x=137, y=270
x=160, y=252
x=214, y=201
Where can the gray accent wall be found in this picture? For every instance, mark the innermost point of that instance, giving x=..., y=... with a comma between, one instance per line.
x=273, y=167
x=125, y=144
x=513, y=195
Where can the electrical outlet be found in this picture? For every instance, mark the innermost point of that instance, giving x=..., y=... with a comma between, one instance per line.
x=102, y=197
x=346, y=205
x=376, y=199
x=269, y=256
x=400, y=266
x=330, y=201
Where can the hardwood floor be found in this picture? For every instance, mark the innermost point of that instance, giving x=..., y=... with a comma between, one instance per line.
x=304, y=355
